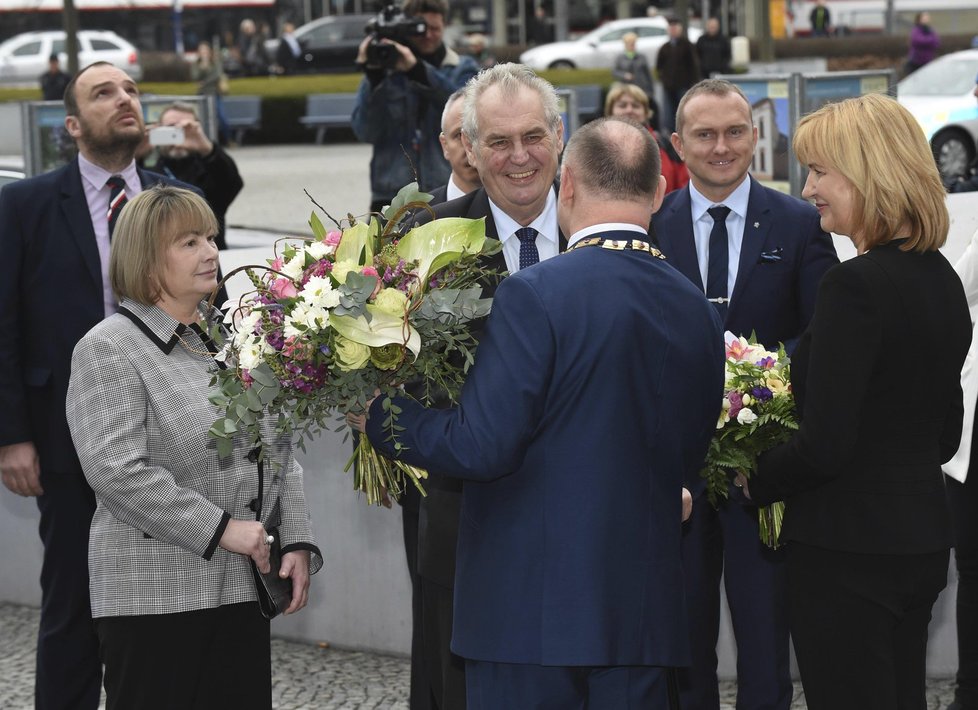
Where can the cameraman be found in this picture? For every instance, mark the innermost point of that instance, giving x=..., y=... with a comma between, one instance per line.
x=402, y=96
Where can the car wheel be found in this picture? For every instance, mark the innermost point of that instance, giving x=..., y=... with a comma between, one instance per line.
x=562, y=64
x=953, y=151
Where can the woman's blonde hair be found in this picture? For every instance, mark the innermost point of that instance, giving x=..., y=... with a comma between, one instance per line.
x=148, y=225
x=881, y=150
x=618, y=90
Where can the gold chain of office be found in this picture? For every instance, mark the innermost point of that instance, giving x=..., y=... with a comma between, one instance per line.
x=618, y=245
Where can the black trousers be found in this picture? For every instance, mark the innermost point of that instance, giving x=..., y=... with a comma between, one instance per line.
x=193, y=660
x=446, y=671
x=420, y=693
x=859, y=625
x=963, y=499
x=69, y=675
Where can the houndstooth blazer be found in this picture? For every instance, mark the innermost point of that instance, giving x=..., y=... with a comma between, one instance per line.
x=138, y=413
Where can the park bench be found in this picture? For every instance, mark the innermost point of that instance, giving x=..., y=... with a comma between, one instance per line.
x=243, y=113
x=325, y=111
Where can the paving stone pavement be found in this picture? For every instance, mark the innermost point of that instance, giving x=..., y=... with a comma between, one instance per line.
x=304, y=677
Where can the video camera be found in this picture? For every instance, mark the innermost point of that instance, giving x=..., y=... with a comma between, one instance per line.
x=391, y=23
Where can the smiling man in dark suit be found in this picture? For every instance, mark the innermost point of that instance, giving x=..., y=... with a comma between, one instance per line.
x=510, y=132
x=758, y=255
x=594, y=392
x=54, y=235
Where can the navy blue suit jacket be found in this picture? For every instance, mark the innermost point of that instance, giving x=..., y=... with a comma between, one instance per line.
x=783, y=257
x=51, y=291
x=595, y=391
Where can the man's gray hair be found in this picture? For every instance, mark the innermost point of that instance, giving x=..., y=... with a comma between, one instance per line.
x=510, y=78
x=457, y=95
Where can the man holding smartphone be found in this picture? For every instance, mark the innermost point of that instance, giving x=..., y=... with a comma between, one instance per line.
x=187, y=154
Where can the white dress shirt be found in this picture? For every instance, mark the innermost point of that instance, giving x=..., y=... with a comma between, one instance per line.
x=548, y=240
x=703, y=225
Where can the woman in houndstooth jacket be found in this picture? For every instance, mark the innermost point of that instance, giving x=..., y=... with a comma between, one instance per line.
x=172, y=594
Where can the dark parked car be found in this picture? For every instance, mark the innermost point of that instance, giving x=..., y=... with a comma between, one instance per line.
x=329, y=44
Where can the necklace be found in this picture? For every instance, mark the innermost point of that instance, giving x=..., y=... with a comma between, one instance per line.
x=619, y=245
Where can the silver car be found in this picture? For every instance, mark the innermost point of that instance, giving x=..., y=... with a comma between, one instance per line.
x=941, y=96
x=598, y=48
x=25, y=57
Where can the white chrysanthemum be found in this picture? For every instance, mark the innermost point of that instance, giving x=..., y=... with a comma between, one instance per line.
x=250, y=355
x=317, y=250
x=746, y=416
x=313, y=318
x=294, y=267
x=319, y=291
x=246, y=328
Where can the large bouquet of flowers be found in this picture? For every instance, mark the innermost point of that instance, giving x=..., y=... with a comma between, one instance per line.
x=335, y=318
x=758, y=414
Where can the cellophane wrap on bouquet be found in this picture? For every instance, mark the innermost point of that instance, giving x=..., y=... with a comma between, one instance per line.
x=758, y=414
x=353, y=310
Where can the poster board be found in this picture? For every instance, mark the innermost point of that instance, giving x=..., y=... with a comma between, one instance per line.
x=47, y=144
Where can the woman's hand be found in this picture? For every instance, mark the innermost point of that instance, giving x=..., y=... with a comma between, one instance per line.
x=248, y=537
x=295, y=564
x=687, y=504
x=741, y=482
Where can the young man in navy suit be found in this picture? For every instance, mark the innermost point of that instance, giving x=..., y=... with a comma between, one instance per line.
x=594, y=393
x=758, y=255
x=54, y=287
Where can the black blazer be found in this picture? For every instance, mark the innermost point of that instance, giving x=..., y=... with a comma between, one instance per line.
x=51, y=295
x=877, y=381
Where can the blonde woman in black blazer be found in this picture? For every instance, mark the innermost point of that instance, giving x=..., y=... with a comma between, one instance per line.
x=876, y=378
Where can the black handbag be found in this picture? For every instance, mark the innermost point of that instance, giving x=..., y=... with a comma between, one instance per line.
x=274, y=593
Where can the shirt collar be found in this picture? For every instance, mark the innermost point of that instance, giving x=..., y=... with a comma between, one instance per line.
x=545, y=223
x=736, y=200
x=605, y=227
x=158, y=325
x=453, y=190
x=96, y=175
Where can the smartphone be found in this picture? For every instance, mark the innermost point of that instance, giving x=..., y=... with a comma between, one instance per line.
x=166, y=135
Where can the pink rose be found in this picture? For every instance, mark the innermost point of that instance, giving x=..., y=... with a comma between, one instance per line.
x=277, y=264
x=333, y=238
x=283, y=288
x=370, y=271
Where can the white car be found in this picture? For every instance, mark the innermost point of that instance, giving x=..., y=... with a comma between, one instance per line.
x=941, y=97
x=599, y=47
x=25, y=57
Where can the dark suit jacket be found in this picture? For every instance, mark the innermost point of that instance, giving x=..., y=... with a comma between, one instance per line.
x=439, y=517
x=783, y=257
x=877, y=381
x=51, y=291
x=595, y=390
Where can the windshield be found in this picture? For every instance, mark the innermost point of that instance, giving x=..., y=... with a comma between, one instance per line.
x=942, y=77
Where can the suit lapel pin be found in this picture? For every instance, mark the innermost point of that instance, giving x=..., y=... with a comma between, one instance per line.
x=756, y=225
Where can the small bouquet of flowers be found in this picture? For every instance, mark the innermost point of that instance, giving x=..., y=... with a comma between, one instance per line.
x=758, y=414
x=335, y=318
